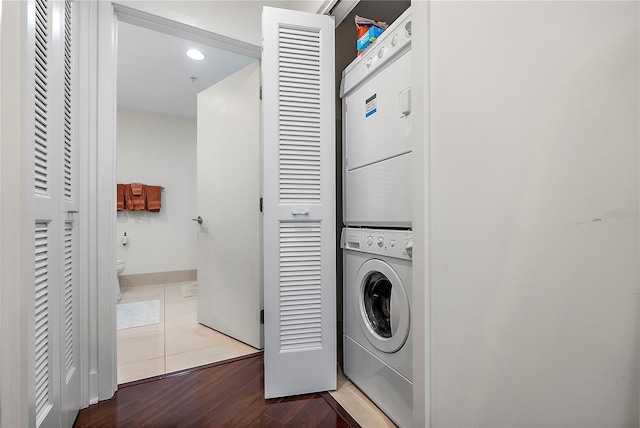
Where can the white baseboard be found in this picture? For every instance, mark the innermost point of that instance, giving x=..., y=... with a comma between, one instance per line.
x=157, y=278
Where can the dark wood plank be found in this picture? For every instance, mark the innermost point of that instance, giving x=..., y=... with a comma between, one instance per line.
x=223, y=395
x=282, y=410
x=340, y=411
x=312, y=413
x=334, y=420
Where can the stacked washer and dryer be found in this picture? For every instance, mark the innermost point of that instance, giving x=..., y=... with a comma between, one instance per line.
x=377, y=240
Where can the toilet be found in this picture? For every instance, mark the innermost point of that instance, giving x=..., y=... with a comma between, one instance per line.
x=119, y=268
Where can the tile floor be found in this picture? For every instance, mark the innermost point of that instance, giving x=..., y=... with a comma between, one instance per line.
x=178, y=342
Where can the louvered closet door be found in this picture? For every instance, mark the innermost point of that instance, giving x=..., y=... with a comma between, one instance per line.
x=68, y=174
x=53, y=347
x=299, y=202
x=45, y=372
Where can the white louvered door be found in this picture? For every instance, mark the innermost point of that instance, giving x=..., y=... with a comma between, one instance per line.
x=68, y=173
x=53, y=347
x=299, y=202
x=45, y=373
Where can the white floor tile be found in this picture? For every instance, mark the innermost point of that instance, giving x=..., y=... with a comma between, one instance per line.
x=181, y=321
x=199, y=337
x=200, y=357
x=140, y=349
x=141, y=370
x=146, y=330
x=244, y=349
x=181, y=306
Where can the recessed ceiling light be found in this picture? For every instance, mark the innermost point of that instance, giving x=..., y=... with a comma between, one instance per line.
x=195, y=54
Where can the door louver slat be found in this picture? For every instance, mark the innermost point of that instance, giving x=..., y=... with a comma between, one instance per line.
x=300, y=285
x=68, y=120
x=42, y=345
x=68, y=299
x=299, y=117
x=41, y=108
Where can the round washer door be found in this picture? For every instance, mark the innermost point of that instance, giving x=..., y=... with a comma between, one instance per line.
x=382, y=305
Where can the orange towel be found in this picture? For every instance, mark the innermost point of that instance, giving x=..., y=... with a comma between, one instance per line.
x=135, y=196
x=154, y=198
x=128, y=197
x=136, y=189
x=120, y=197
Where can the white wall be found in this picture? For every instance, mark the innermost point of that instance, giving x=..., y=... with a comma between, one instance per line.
x=14, y=251
x=159, y=150
x=534, y=284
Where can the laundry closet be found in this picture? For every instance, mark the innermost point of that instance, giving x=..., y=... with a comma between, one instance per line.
x=374, y=158
x=345, y=53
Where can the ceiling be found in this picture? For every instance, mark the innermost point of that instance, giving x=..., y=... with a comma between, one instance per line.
x=154, y=73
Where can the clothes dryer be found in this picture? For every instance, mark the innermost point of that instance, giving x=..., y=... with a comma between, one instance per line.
x=376, y=101
x=377, y=318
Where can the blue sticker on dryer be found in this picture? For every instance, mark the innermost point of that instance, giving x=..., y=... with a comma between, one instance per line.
x=371, y=105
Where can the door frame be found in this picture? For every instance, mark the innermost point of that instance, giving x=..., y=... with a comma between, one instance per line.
x=100, y=381
x=421, y=260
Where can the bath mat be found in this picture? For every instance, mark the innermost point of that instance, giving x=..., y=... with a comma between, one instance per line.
x=138, y=314
x=190, y=289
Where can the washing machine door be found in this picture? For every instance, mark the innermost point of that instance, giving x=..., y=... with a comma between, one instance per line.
x=383, y=306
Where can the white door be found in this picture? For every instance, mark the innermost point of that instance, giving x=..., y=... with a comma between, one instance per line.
x=299, y=202
x=54, y=385
x=69, y=299
x=44, y=126
x=229, y=190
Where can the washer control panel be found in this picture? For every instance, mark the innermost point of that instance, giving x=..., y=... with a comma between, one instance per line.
x=385, y=242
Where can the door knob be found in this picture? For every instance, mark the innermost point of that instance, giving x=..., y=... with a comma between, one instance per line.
x=198, y=219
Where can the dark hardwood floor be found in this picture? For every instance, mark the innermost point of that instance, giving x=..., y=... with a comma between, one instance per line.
x=228, y=394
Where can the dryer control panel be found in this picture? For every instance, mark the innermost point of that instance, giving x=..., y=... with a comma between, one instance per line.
x=390, y=243
x=395, y=40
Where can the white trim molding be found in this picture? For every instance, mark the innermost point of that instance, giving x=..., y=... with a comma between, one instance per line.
x=421, y=327
x=87, y=87
x=105, y=187
x=339, y=9
x=178, y=29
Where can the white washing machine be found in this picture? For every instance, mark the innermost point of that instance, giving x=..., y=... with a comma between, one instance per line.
x=377, y=318
x=376, y=105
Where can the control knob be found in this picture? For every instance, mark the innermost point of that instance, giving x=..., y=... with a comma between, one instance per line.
x=409, y=247
x=369, y=240
x=380, y=242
